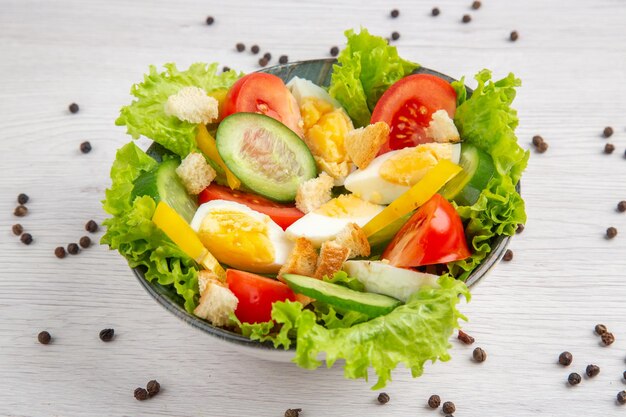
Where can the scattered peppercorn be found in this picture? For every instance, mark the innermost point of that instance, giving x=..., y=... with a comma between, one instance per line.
x=608, y=338
x=542, y=147
x=153, y=387
x=210, y=20
x=624, y=375
x=621, y=397
x=607, y=132
x=22, y=198
x=84, y=242
x=434, y=401
x=479, y=356
x=240, y=47
x=283, y=59
x=267, y=56
x=565, y=358
x=74, y=108
x=465, y=338
x=574, y=378
x=85, y=147
x=520, y=228
x=514, y=36
x=448, y=407
x=255, y=49
x=141, y=394
x=20, y=211
x=592, y=370
x=611, y=232
x=476, y=5
x=293, y=412
x=537, y=140
x=435, y=11
x=609, y=148
x=395, y=36
x=44, y=337
x=59, y=252
x=26, y=238
x=395, y=13
x=508, y=255
x=621, y=206
x=17, y=229
x=600, y=329
x=334, y=51
x=383, y=398
x=263, y=62
x=466, y=18
x=72, y=249
x=106, y=335
x=91, y=226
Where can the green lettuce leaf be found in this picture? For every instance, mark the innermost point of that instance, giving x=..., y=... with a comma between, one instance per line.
x=132, y=232
x=367, y=67
x=146, y=115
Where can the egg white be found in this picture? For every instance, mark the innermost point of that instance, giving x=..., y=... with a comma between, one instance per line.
x=301, y=88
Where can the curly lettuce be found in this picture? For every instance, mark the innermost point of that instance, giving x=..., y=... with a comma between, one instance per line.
x=146, y=115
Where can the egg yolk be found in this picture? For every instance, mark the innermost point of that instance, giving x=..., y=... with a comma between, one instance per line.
x=409, y=165
x=348, y=205
x=237, y=239
x=325, y=129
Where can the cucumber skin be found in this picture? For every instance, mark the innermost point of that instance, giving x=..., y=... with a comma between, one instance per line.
x=465, y=189
x=295, y=282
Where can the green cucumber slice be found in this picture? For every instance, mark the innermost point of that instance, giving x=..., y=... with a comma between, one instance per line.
x=372, y=305
x=266, y=156
x=478, y=169
x=163, y=184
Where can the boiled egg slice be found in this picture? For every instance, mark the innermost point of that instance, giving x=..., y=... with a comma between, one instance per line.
x=241, y=237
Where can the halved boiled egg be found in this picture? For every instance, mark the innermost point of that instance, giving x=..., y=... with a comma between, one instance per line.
x=332, y=217
x=241, y=237
x=393, y=173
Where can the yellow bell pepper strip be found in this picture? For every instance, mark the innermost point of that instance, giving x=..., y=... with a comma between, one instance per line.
x=177, y=229
x=207, y=145
x=220, y=96
x=417, y=195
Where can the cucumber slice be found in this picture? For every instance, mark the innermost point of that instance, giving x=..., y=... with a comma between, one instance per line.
x=372, y=305
x=266, y=156
x=478, y=169
x=163, y=183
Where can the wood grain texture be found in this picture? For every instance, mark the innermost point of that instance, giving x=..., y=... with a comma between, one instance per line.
x=564, y=279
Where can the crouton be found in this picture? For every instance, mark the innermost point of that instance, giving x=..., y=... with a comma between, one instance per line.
x=195, y=173
x=313, y=193
x=362, y=145
x=331, y=259
x=193, y=105
x=442, y=128
x=302, y=260
x=338, y=170
x=353, y=238
x=217, y=302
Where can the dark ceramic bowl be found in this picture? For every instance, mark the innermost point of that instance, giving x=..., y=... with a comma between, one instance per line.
x=318, y=71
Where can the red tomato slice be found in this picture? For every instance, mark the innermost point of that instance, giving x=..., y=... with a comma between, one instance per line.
x=256, y=294
x=266, y=94
x=407, y=107
x=282, y=214
x=433, y=235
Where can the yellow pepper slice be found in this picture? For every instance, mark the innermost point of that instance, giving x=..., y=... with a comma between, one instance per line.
x=207, y=145
x=177, y=229
x=417, y=195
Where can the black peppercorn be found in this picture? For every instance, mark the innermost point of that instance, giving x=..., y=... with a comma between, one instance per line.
x=85, y=147
x=141, y=394
x=22, y=198
x=434, y=401
x=17, y=229
x=448, y=407
x=435, y=11
x=153, y=387
x=210, y=20
x=395, y=13
x=26, y=238
x=514, y=36
x=91, y=226
x=283, y=59
x=20, y=211
x=600, y=329
x=383, y=398
x=520, y=228
x=621, y=397
x=479, y=355
x=465, y=338
x=607, y=132
x=255, y=49
x=611, y=232
x=395, y=36
x=240, y=47
x=73, y=108
x=609, y=148
x=476, y=5
x=574, y=378
x=267, y=56
x=537, y=140
x=565, y=358
x=84, y=242
x=508, y=255
x=621, y=206
x=263, y=62
x=225, y=69
x=44, y=337
x=466, y=18
x=293, y=412
x=592, y=370
x=106, y=335
x=73, y=249
x=607, y=338
x=59, y=252
x=334, y=51
x=624, y=375
x=542, y=147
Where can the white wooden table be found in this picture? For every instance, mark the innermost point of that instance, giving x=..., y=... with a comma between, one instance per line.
x=565, y=276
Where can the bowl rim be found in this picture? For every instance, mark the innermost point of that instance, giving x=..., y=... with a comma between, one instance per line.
x=159, y=293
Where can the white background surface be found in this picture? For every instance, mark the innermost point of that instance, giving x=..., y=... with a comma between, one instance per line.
x=564, y=279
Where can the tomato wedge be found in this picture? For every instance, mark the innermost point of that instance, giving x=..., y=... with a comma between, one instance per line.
x=256, y=294
x=282, y=214
x=407, y=107
x=266, y=94
x=433, y=235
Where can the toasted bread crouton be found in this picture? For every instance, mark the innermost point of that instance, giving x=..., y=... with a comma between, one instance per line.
x=302, y=260
x=193, y=105
x=353, y=238
x=217, y=302
x=363, y=144
x=313, y=193
x=442, y=128
x=195, y=173
x=204, y=277
x=331, y=259
x=338, y=170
